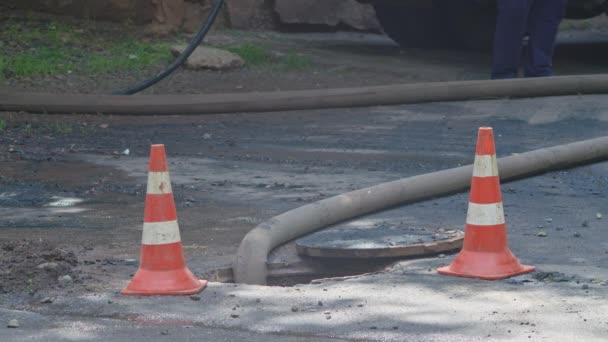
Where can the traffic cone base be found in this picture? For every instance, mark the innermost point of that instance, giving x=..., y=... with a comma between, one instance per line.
x=486, y=266
x=172, y=282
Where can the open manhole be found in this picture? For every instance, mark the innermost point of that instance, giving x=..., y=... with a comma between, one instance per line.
x=352, y=248
x=385, y=239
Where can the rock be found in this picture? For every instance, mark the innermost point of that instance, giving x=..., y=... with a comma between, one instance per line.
x=47, y=300
x=207, y=136
x=13, y=323
x=576, y=234
x=130, y=262
x=328, y=12
x=247, y=14
x=441, y=256
x=548, y=220
x=320, y=303
x=234, y=316
x=126, y=152
x=195, y=298
x=551, y=276
x=585, y=287
x=518, y=280
x=66, y=279
x=542, y=234
x=48, y=266
x=205, y=57
x=585, y=224
x=294, y=309
x=196, y=12
x=112, y=10
x=599, y=216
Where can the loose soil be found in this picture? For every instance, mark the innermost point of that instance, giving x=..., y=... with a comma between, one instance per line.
x=31, y=266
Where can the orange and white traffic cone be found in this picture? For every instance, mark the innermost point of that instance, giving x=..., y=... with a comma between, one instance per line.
x=485, y=253
x=162, y=269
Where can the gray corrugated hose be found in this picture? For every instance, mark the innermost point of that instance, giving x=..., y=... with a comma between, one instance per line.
x=301, y=99
x=250, y=263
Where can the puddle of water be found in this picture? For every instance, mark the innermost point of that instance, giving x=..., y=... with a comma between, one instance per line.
x=62, y=202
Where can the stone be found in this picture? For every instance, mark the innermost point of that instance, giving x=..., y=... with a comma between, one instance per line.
x=13, y=323
x=196, y=12
x=47, y=300
x=576, y=234
x=599, y=216
x=195, y=298
x=48, y=266
x=66, y=279
x=247, y=14
x=585, y=287
x=294, y=309
x=136, y=11
x=205, y=57
x=328, y=12
x=541, y=234
x=241, y=11
x=130, y=262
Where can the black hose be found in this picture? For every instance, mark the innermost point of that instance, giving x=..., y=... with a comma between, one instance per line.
x=196, y=40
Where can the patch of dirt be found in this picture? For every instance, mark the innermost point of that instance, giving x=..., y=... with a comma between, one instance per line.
x=32, y=266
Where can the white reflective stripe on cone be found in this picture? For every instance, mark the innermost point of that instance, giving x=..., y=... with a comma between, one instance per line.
x=159, y=183
x=160, y=233
x=485, y=214
x=485, y=166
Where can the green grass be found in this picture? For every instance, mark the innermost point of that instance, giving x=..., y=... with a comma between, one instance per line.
x=56, y=48
x=127, y=55
x=294, y=61
x=259, y=55
x=2, y=125
x=252, y=54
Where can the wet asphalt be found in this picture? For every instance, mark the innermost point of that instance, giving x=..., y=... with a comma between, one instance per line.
x=321, y=153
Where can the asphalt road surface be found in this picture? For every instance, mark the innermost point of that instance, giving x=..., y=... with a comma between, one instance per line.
x=232, y=172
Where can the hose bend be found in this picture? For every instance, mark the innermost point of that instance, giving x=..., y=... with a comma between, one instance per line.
x=250, y=264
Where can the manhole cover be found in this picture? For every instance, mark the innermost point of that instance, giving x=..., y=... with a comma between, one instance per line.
x=380, y=240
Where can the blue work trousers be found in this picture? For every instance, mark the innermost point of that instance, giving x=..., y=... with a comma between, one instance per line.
x=539, y=19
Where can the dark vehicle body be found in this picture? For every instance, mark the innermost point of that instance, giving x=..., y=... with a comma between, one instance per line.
x=467, y=24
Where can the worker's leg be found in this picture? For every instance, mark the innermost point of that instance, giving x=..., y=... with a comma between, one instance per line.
x=543, y=23
x=511, y=24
